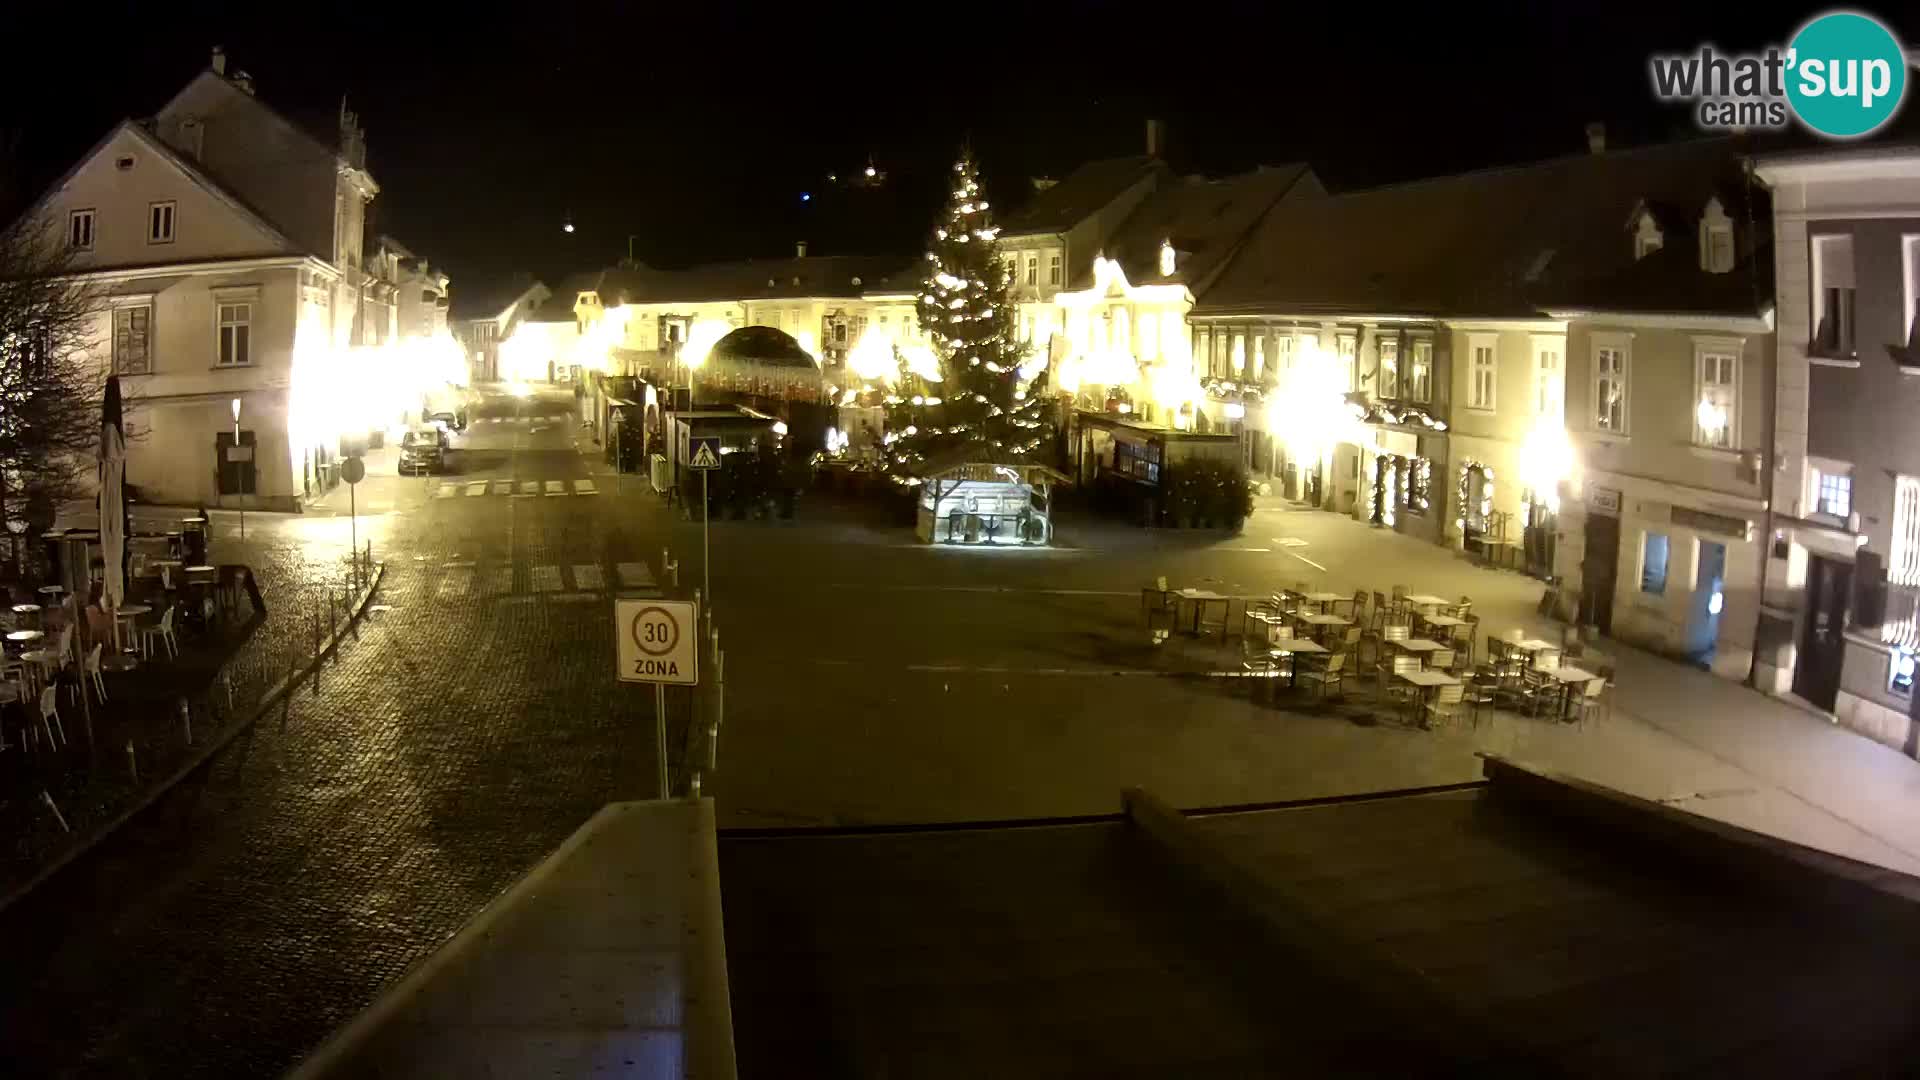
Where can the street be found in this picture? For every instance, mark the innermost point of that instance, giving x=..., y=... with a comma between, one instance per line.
x=475, y=723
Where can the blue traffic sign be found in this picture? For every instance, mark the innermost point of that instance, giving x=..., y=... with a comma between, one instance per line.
x=703, y=452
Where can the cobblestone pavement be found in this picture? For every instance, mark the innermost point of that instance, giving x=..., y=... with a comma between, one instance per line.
x=475, y=724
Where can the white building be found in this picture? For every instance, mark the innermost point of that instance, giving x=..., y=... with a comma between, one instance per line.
x=225, y=241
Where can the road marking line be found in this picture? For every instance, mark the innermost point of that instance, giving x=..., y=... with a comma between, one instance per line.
x=588, y=576
x=445, y=491
x=556, y=487
x=1289, y=541
x=503, y=487
x=959, y=669
x=530, y=487
x=546, y=579
x=1308, y=561
x=585, y=487
x=456, y=584
x=634, y=575
x=501, y=580
x=1243, y=549
x=983, y=589
x=477, y=487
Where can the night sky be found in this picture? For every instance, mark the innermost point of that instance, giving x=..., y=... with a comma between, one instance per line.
x=696, y=130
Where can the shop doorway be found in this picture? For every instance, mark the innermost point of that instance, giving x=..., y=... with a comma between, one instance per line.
x=1703, y=621
x=1816, y=673
x=1600, y=571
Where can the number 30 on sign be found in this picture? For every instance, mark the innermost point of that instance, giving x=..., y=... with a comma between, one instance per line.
x=655, y=641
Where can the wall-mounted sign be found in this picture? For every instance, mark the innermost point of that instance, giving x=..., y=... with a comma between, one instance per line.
x=1603, y=500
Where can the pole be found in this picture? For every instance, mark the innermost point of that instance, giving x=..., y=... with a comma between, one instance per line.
x=243, y=495
x=706, y=534
x=660, y=732
x=353, y=543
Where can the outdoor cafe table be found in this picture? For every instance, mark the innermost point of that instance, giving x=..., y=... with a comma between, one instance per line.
x=1416, y=645
x=1290, y=647
x=1320, y=620
x=1423, y=681
x=1199, y=598
x=1326, y=600
x=1444, y=621
x=127, y=613
x=1570, y=677
x=18, y=636
x=1269, y=619
x=1428, y=600
x=26, y=609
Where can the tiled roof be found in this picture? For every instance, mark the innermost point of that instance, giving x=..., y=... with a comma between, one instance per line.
x=1204, y=220
x=1084, y=191
x=1506, y=242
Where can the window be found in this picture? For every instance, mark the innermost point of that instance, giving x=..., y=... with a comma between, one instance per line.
x=1610, y=385
x=1033, y=269
x=1054, y=268
x=1140, y=462
x=1420, y=371
x=1716, y=239
x=1910, y=269
x=132, y=339
x=1013, y=270
x=1149, y=336
x=1259, y=354
x=1202, y=359
x=160, y=223
x=1483, y=375
x=80, y=230
x=236, y=330
x=1716, y=395
x=1832, y=492
x=1832, y=296
x=1653, y=563
x=1900, y=672
x=1549, y=382
x=1647, y=237
x=1903, y=567
x=1239, y=354
x=1388, y=381
x=1344, y=345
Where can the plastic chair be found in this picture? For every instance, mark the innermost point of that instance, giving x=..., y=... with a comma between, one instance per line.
x=164, y=631
x=1590, y=702
x=50, y=716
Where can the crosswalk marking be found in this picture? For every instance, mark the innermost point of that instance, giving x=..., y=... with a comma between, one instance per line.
x=500, y=581
x=529, y=487
x=503, y=487
x=588, y=576
x=546, y=579
x=476, y=487
x=634, y=575
x=445, y=491
x=456, y=583
x=585, y=487
x=556, y=487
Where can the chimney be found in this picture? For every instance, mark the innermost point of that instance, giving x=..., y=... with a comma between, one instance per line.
x=800, y=250
x=244, y=81
x=219, y=60
x=1154, y=141
x=1596, y=138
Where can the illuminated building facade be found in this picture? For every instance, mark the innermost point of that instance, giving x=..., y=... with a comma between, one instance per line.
x=227, y=244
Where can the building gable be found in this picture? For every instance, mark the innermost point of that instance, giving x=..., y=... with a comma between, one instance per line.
x=150, y=207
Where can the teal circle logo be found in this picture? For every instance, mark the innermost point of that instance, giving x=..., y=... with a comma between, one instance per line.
x=1846, y=74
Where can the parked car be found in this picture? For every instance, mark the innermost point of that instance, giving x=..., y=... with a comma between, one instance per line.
x=423, y=449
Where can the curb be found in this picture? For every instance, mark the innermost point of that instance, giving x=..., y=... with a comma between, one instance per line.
x=268, y=699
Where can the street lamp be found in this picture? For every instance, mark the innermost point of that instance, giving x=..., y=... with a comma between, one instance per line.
x=236, y=454
x=18, y=527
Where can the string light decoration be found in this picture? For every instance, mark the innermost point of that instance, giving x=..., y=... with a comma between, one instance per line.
x=982, y=395
x=1483, y=498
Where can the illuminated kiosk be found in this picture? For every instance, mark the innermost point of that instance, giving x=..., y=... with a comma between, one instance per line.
x=976, y=495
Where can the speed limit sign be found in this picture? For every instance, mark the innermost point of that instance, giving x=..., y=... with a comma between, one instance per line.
x=654, y=641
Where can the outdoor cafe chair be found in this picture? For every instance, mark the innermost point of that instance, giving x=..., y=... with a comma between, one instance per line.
x=90, y=670
x=1590, y=701
x=1440, y=660
x=1395, y=688
x=1446, y=704
x=1329, y=678
x=163, y=630
x=50, y=716
x=1477, y=690
x=1263, y=672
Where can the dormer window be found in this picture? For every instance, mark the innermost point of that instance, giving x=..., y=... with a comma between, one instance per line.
x=1647, y=237
x=1167, y=258
x=1716, y=239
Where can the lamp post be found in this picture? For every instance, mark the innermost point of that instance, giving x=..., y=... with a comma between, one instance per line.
x=236, y=454
x=18, y=527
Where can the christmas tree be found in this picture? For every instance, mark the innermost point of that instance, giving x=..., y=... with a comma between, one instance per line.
x=983, y=395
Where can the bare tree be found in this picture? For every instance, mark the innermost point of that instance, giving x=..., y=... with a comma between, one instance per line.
x=51, y=380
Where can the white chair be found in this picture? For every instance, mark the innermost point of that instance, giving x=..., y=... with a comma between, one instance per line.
x=162, y=630
x=50, y=716
x=1446, y=704
x=90, y=669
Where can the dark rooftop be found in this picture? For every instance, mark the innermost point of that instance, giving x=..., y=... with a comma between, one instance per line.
x=1085, y=190
x=1504, y=242
x=1205, y=221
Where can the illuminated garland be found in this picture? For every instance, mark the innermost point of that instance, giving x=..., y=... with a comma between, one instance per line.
x=1466, y=497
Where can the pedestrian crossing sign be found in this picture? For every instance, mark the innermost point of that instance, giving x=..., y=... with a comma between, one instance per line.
x=705, y=452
